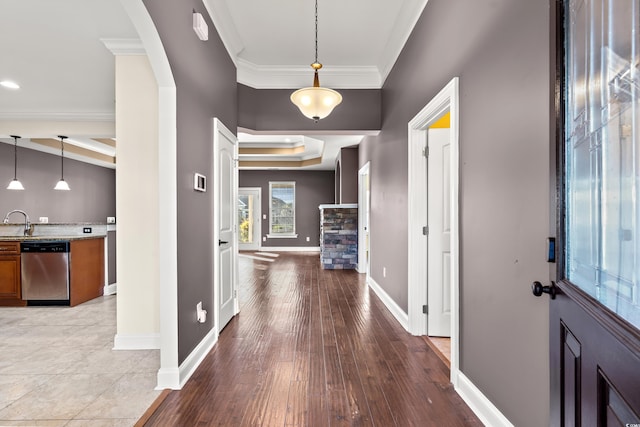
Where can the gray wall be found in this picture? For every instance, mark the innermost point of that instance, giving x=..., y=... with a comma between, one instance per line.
x=206, y=87
x=500, y=49
x=347, y=180
x=313, y=188
x=93, y=188
x=271, y=109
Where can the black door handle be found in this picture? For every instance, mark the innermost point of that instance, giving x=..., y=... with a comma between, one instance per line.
x=538, y=289
x=222, y=242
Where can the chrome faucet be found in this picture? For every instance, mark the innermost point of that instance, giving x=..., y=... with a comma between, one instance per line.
x=27, y=222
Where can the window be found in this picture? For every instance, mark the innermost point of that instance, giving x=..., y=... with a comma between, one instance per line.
x=602, y=165
x=282, y=209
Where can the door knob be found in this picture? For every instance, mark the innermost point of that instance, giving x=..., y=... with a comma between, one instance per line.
x=538, y=289
x=222, y=242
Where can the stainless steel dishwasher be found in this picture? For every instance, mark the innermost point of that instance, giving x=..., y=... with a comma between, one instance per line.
x=45, y=272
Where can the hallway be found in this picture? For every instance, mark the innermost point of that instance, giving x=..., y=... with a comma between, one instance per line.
x=314, y=347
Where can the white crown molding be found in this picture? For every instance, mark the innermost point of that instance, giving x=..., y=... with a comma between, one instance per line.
x=363, y=132
x=223, y=21
x=60, y=116
x=120, y=47
x=403, y=27
x=294, y=77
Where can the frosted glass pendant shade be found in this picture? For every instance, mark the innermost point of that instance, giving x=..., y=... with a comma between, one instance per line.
x=316, y=102
x=62, y=185
x=15, y=185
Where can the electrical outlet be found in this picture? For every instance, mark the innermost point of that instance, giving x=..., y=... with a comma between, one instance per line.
x=201, y=315
x=384, y=271
x=264, y=216
x=86, y=230
x=111, y=220
x=264, y=238
x=43, y=219
x=308, y=239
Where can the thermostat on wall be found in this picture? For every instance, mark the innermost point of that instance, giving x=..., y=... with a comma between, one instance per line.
x=199, y=182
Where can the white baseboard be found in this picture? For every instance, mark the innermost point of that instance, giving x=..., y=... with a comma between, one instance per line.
x=479, y=404
x=136, y=342
x=290, y=249
x=111, y=289
x=391, y=305
x=193, y=360
x=168, y=379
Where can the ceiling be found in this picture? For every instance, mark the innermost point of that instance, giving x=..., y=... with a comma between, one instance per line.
x=66, y=74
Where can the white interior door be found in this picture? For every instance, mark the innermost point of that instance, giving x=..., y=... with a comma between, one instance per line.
x=439, y=237
x=225, y=153
x=249, y=218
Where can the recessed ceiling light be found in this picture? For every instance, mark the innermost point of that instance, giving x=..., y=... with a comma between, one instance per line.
x=9, y=84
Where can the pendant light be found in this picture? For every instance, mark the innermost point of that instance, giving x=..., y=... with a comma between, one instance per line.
x=15, y=184
x=316, y=102
x=62, y=184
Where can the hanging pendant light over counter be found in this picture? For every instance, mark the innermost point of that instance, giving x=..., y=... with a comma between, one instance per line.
x=62, y=184
x=316, y=102
x=15, y=184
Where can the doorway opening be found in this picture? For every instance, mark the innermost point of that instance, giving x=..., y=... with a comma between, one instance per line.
x=433, y=221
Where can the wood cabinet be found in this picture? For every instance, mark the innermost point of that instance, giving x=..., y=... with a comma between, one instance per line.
x=86, y=269
x=86, y=272
x=10, y=287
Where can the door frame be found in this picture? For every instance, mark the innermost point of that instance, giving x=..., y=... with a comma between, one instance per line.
x=364, y=217
x=220, y=128
x=446, y=100
x=257, y=225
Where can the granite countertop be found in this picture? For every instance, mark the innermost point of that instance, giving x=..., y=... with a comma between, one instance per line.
x=55, y=231
x=44, y=224
x=45, y=238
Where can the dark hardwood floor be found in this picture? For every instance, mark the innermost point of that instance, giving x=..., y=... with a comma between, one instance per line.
x=314, y=347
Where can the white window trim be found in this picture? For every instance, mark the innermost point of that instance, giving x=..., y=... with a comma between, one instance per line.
x=272, y=235
x=282, y=236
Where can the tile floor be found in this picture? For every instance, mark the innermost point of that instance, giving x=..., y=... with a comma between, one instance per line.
x=57, y=368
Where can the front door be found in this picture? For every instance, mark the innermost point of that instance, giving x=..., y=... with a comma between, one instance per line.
x=595, y=319
x=225, y=150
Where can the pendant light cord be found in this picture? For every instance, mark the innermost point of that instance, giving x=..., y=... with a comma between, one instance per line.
x=15, y=158
x=62, y=158
x=316, y=31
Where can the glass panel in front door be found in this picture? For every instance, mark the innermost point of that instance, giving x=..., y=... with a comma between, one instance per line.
x=603, y=152
x=245, y=218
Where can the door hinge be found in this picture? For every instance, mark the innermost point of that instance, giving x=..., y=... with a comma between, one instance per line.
x=425, y=230
x=425, y=309
x=425, y=151
x=235, y=293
